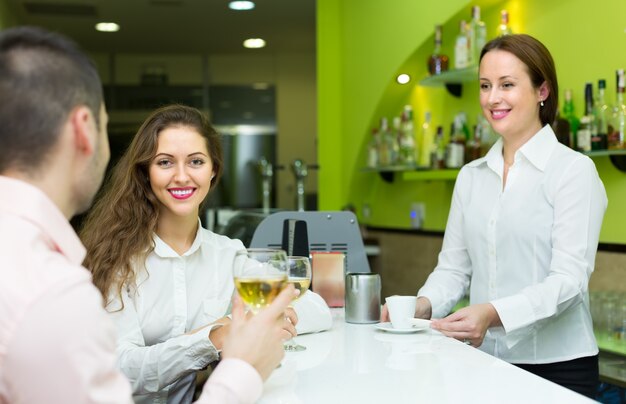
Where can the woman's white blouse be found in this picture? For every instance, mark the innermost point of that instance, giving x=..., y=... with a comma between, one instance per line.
x=177, y=294
x=528, y=249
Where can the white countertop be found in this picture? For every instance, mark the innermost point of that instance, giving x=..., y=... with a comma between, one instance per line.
x=357, y=363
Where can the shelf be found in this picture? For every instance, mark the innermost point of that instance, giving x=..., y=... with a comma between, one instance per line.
x=458, y=76
x=447, y=174
x=452, y=79
x=617, y=157
x=412, y=173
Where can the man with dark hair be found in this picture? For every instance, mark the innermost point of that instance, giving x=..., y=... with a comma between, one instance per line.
x=57, y=344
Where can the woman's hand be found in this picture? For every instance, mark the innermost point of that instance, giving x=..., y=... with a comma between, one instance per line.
x=469, y=324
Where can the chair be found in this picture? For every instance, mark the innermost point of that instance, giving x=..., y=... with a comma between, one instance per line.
x=327, y=232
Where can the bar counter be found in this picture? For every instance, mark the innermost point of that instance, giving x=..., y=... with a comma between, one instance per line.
x=358, y=363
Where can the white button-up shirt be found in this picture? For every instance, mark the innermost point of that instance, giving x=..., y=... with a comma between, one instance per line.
x=528, y=248
x=177, y=294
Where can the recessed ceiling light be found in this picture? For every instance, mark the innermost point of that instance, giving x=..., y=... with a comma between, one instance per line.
x=254, y=43
x=107, y=27
x=403, y=78
x=241, y=5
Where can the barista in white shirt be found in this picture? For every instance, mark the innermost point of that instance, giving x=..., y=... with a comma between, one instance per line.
x=523, y=230
x=167, y=281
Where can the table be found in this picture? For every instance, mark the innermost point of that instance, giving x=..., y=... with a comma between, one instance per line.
x=357, y=363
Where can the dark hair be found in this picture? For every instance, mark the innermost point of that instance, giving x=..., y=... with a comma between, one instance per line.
x=540, y=67
x=43, y=76
x=119, y=228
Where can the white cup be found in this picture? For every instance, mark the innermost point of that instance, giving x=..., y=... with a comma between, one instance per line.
x=401, y=310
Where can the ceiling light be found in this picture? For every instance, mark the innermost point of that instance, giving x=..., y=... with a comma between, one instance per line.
x=107, y=27
x=403, y=78
x=254, y=43
x=241, y=5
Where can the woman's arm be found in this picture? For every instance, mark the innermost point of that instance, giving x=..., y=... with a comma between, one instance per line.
x=579, y=204
x=151, y=368
x=313, y=313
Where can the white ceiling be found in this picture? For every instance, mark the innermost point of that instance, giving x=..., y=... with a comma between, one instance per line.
x=175, y=26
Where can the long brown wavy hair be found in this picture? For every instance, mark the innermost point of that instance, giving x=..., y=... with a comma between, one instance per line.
x=118, y=230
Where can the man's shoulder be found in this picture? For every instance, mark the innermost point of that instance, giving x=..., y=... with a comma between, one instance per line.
x=31, y=269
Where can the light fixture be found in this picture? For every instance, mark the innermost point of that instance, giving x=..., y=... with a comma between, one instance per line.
x=107, y=27
x=403, y=78
x=241, y=5
x=254, y=43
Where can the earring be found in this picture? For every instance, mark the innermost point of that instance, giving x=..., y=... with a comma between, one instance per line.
x=541, y=103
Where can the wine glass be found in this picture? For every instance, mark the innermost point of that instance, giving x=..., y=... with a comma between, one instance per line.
x=299, y=275
x=260, y=274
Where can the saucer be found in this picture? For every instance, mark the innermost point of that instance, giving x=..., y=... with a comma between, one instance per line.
x=389, y=328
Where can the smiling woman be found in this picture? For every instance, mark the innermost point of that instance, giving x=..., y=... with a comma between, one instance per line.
x=167, y=281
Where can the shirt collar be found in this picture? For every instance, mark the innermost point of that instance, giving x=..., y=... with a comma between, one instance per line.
x=32, y=204
x=536, y=150
x=539, y=147
x=163, y=250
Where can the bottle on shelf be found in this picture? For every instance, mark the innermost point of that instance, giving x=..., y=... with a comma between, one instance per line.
x=477, y=36
x=455, y=151
x=388, y=152
x=373, y=147
x=487, y=136
x=601, y=114
x=569, y=114
x=427, y=141
x=438, y=151
x=617, y=129
x=503, y=28
x=437, y=63
x=586, y=130
x=473, y=148
x=407, y=137
x=561, y=129
x=461, y=47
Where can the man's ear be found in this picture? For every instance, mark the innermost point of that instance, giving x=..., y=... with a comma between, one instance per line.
x=84, y=129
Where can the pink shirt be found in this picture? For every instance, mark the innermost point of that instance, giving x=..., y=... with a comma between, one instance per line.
x=57, y=344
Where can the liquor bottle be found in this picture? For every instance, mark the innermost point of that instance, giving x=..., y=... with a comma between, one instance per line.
x=587, y=129
x=461, y=47
x=561, y=129
x=427, y=141
x=477, y=36
x=455, y=151
x=384, y=154
x=437, y=63
x=389, y=144
x=570, y=115
x=583, y=136
x=503, y=28
x=473, y=146
x=438, y=151
x=601, y=114
x=618, y=117
x=373, y=147
x=407, y=137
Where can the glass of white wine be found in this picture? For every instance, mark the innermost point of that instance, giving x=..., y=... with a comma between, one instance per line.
x=299, y=275
x=260, y=274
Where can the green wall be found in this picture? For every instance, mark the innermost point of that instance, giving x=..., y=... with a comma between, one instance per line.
x=7, y=18
x=364, y=44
